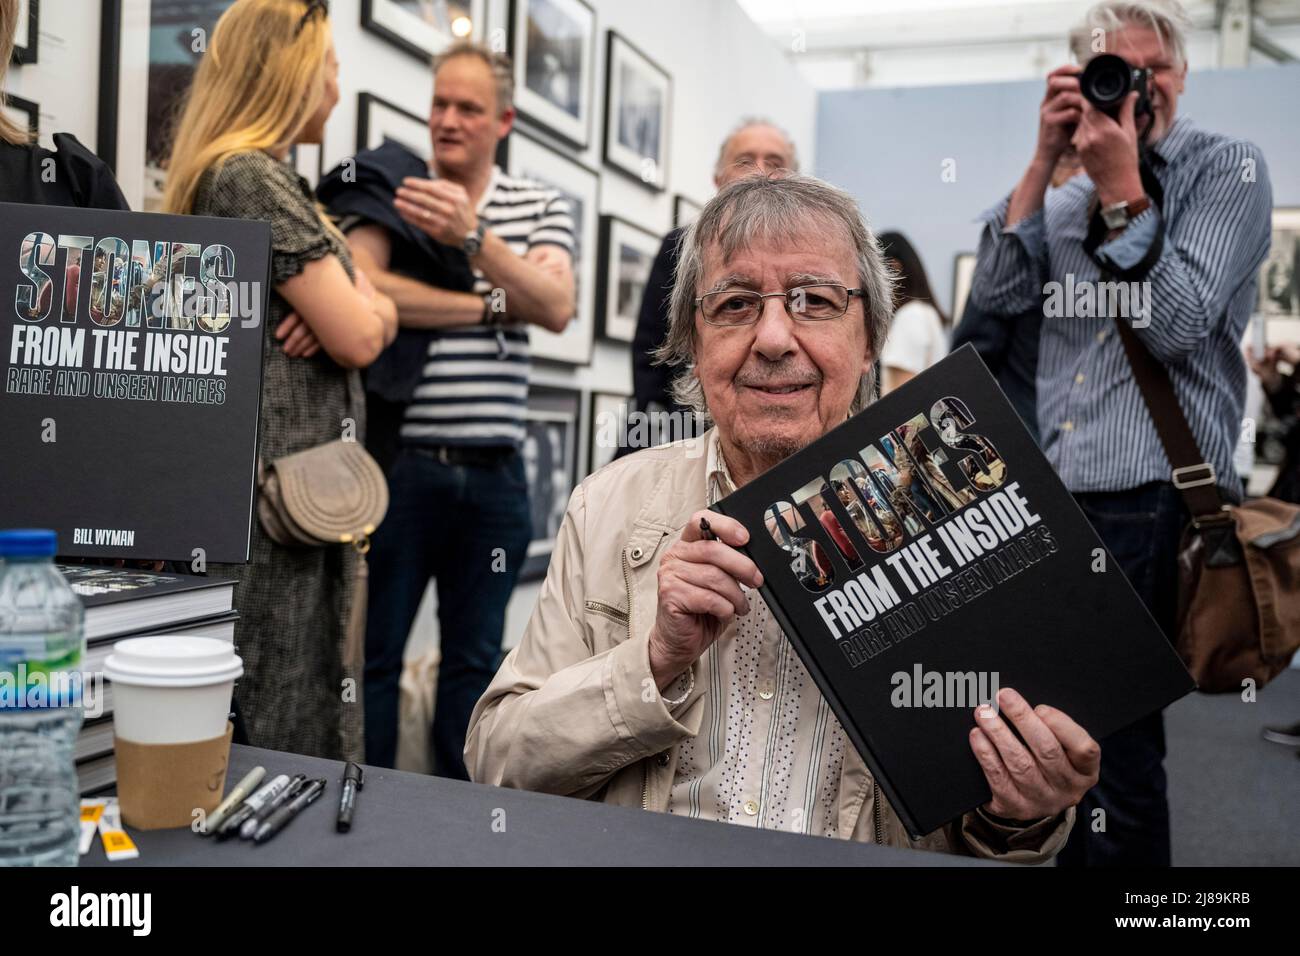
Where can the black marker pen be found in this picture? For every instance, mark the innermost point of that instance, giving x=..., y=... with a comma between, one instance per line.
x=353, y=780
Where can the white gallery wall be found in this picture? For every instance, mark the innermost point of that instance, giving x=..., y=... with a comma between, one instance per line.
x=723, y=67
x=64, y=82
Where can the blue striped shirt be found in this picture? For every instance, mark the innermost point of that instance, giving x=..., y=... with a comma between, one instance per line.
x=474, y=387
x=1215, y=223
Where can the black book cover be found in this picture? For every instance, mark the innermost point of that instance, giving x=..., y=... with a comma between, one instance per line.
x=130, y=379
x=952, y=562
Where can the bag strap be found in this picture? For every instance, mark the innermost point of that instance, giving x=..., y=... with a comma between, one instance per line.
x=1193, y=476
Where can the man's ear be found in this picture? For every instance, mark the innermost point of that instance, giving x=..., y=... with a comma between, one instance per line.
x=506, y=123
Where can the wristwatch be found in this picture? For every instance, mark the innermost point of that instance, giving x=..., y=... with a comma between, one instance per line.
x=474, y=240
x=1119, y=215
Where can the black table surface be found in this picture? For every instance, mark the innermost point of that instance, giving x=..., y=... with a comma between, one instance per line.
x=408, y=819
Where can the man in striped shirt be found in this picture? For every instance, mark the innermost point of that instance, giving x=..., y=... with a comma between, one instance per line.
x=1190, y=254
x=459, y=499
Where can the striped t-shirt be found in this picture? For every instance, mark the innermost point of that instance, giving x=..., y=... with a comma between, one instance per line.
x=474, y=388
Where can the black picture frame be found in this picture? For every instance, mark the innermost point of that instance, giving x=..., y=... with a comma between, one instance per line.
x=378, y=18
x=575, y=345
x=27, y=49
x=619, y=327
x=614, y=154
x=110, y=50
x=600, y=455
x=368, y=107
x=31, y=110
x=549, y=406
x=534, y=108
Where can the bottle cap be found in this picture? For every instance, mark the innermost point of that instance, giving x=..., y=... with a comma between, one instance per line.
x=28, y=543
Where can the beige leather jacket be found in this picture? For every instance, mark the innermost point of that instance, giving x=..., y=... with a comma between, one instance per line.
x=574, y=711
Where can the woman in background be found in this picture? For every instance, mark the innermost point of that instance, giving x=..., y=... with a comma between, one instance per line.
x=77, y=177
x=269, y=80
x=918, y=335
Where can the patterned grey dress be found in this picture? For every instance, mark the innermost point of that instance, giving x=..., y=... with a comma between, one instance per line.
x=293, y=603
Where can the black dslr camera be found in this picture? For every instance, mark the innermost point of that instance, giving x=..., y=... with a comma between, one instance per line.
x=1108, y=78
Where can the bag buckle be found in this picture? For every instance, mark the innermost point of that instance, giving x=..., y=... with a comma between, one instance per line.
x=1222, y=516
x=1182, y=476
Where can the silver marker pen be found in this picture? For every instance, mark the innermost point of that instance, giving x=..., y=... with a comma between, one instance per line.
x=233, y=799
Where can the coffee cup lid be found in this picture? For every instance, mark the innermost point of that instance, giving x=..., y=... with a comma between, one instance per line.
x=173, y=661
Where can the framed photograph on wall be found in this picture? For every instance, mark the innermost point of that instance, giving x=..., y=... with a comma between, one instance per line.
x=638, y=114
x=550, y=453
x=379, y=120
x=424, y=28
x=685, y=210
x=627, y=254
x=155, y=89
x=553, y=46
x=609, y=416
x=1279, y=282
x=963, y=271
x=26, y=32
x=23, y=112
x=526, y=157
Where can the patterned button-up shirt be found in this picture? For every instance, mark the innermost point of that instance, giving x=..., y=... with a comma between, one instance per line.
x=769, y=752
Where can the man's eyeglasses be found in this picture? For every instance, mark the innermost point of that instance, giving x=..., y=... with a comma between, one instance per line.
x=313, y=7
x=804, y=303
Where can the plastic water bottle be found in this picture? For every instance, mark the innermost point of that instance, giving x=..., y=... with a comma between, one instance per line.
x=42, y=641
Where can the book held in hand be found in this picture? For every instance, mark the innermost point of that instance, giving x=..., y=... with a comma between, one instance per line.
x=130, y=379
x=924, y=554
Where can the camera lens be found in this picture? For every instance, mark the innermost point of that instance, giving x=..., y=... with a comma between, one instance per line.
x=1106, y=80
x=1107, y=87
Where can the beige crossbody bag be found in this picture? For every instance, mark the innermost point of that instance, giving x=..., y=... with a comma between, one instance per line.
x=330, y=494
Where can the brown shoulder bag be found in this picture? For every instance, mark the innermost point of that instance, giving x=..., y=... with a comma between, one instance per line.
x=1238, y=564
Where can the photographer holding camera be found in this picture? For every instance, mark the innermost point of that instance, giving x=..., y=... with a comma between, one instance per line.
x=1172, y=216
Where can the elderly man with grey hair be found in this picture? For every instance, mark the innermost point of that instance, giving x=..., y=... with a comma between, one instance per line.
x=1180, y=216
x=651, y=673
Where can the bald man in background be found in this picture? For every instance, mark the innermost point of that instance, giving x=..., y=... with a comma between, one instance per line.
x=756, y=146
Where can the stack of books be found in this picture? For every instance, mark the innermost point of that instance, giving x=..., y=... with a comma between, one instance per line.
x=122, y=603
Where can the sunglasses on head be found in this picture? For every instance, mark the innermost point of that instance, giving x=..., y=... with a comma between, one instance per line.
x=313, y=7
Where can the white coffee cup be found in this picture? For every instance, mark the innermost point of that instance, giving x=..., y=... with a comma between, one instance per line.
x=172, y=689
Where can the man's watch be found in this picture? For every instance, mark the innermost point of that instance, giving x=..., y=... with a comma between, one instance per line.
x=474, y=240
x=1119, y=215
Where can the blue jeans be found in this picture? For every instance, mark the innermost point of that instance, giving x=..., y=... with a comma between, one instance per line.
x=1142, y=528
x=447, y=522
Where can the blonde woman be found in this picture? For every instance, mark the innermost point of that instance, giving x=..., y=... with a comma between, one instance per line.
x=80, y=178
x=269, y=80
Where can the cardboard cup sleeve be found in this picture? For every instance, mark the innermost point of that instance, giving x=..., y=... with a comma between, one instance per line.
x=159, y=786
